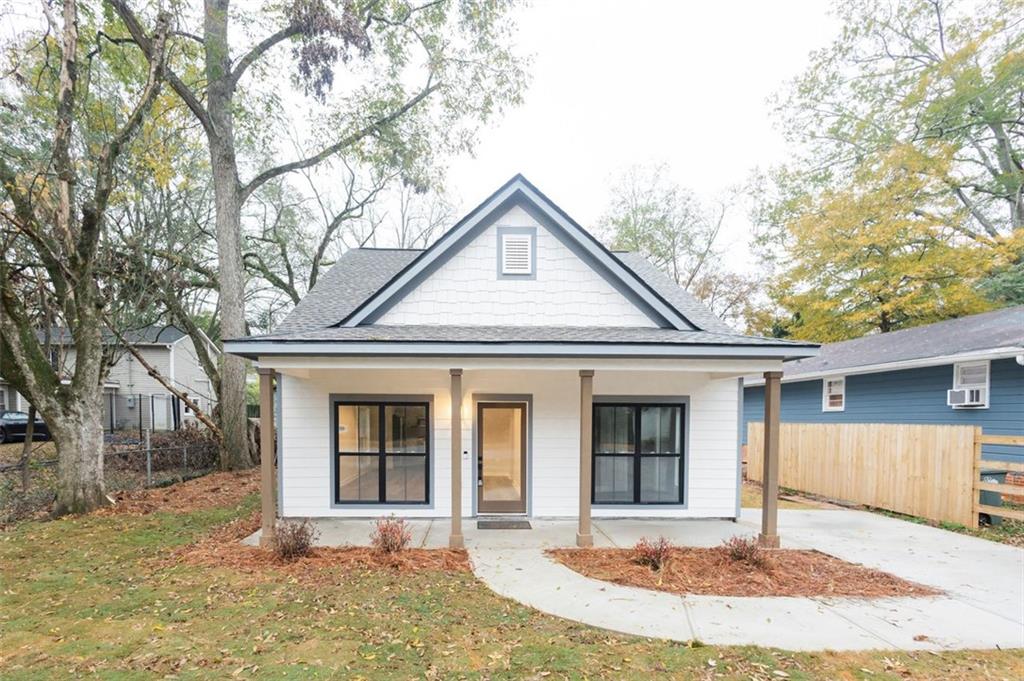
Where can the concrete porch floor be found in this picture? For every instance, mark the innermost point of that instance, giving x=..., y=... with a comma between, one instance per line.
x=545, y=533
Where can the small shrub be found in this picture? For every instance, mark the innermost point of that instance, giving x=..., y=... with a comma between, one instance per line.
x=746, y=550
x=390, y=535
x=294, y=539
x=652, y=552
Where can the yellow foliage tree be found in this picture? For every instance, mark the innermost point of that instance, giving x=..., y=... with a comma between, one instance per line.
x=885, y=252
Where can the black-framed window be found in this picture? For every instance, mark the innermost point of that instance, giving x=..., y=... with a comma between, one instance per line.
x=383, y=452
x=638, y=453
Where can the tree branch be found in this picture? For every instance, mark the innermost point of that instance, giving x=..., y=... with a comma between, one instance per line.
x=135, y=29
x=333, y=149
x=260, y=49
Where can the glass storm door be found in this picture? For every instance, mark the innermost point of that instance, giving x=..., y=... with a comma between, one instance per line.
x=501, y=457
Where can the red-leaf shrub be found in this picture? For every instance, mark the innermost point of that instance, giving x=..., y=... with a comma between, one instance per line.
x=746, y=550
x=390, y=534
x=294, y=538
x=652, y=552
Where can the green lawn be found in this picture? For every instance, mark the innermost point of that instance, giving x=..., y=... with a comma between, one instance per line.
x=89, y=597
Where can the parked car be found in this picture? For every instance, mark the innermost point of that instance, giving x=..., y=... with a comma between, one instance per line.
x=14, y=423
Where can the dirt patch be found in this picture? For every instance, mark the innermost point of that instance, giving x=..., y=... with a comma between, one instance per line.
x=222, y=548
x=209, y=491
x=712, y=572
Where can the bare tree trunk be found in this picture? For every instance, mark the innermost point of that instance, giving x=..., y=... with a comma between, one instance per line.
x=234, y=442
x=79, y=439
x=234, y=448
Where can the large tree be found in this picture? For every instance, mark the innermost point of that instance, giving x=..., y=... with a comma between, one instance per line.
x=924, y=96
x=880, y=257
x=72, y=108
x=417, y=79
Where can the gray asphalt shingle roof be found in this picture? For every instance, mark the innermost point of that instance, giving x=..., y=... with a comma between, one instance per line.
x=355, y=277
x=519, y=334
x=997, y=329
x=676, y=295
x=156, y=334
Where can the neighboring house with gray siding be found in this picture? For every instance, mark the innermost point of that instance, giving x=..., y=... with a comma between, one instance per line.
x=966, y=371
x=133, y=398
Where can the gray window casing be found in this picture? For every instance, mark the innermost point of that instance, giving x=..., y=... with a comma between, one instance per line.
x=336, y=398
x=655, y=399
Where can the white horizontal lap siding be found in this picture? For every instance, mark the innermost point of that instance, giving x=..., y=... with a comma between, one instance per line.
x=133, y=378
x=554, y=481
x=307, y=486
x=467, y=289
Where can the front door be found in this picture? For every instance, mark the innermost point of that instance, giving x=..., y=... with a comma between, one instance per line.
x=501, y=457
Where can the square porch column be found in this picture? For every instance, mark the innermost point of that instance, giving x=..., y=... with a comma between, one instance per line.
x=584, y=538
x=769, y=536
x=455, y=539
x=268, y=508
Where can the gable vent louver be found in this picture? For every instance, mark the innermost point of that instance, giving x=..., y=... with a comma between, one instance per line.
x=516, y=254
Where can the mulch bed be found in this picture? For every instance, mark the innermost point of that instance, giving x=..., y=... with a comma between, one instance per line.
x=712, y=572
x=222, y=549
x=209, y=491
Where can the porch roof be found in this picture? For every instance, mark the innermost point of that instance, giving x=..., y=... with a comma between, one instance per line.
x=516, y=340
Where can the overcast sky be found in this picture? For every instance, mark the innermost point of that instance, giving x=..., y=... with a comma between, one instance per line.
x=619, y=83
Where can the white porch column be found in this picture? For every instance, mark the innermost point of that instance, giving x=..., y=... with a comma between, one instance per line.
x=769, y=536
x=455, y=539
x=269, y=506
x=584, y=537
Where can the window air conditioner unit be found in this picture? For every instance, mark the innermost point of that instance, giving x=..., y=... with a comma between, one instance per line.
x=966, y=397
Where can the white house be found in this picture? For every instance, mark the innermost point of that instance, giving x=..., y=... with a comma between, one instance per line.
x=133, y=398
x=516, y=366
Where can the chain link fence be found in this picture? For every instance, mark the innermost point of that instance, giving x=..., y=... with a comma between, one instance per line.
x=130, y=463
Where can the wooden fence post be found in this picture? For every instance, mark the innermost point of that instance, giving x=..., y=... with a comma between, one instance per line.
x=975, y=477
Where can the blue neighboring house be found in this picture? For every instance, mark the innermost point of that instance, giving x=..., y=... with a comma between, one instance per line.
x=966, y=371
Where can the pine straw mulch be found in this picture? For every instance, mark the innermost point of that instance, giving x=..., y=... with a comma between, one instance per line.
x=209, y=491
x=710, y=571
x=222, y=548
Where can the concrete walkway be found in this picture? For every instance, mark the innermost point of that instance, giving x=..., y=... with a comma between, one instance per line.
x=983, y=605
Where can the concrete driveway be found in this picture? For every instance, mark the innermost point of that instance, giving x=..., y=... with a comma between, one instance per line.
x=983, y=604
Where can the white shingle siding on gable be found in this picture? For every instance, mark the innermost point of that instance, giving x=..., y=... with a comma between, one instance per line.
x=467, y=290
x=554, y=470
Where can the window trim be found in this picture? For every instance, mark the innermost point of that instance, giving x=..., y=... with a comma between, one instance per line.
x=825, y=406
x=503, y=231
x=381, y=401
x=988, y=382
x=637, y=404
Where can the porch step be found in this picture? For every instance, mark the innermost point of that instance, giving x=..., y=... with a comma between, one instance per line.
x=503, y=524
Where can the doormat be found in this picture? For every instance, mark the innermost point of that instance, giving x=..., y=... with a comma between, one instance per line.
x=503, y=525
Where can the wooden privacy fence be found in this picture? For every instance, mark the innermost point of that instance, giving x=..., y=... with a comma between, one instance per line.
x=921, y=470
x=995, y=466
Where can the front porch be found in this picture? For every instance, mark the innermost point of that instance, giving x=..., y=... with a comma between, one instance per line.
x=637, y=438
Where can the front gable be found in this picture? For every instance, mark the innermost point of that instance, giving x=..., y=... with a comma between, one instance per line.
x=517, y=260
x=556, y=286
